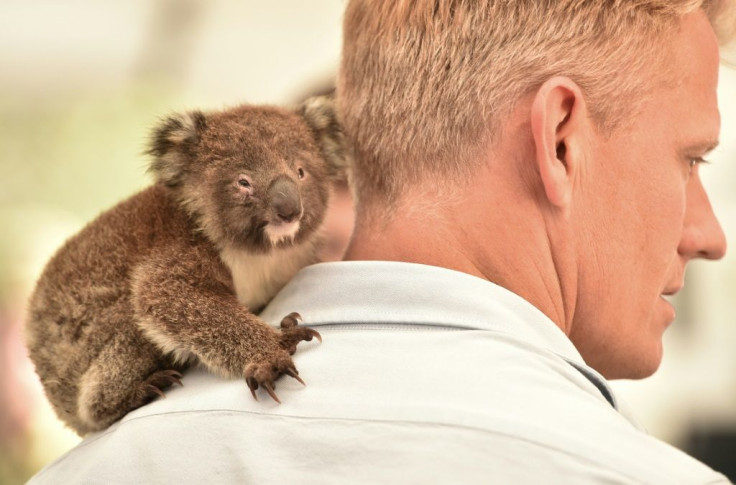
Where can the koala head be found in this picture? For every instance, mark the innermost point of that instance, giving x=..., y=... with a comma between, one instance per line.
x=253, y=177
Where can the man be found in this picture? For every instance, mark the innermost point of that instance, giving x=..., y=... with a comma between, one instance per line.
x=528, y=195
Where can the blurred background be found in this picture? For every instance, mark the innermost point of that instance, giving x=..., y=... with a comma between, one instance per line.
x=82, y=82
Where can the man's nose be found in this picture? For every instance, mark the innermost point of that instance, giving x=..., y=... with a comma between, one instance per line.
x=702, y=235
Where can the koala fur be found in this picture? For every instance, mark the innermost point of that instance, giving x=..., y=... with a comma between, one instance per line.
x=172, y=276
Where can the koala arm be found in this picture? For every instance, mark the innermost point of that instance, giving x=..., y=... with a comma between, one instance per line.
x=184, y=302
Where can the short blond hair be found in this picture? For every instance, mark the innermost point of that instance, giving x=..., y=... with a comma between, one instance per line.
x=424, y=84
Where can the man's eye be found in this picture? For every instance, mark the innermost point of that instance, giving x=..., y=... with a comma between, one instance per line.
x=697, y=161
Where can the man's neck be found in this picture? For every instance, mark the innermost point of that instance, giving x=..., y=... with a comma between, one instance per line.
x=473, y=236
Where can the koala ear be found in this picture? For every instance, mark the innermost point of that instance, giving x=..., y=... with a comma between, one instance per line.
x=320, y=114
x=171, y=146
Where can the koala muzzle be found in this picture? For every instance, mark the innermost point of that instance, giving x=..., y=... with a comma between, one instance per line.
x=285, y=200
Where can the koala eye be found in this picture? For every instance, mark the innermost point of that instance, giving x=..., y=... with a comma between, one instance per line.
x=300, y=172
x=245, y=186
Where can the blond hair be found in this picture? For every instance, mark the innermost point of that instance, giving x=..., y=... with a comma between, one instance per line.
x=424, y=84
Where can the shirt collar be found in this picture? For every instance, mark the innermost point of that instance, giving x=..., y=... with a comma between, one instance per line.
x=359, y=292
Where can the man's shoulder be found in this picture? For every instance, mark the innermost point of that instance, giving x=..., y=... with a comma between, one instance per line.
x=384, y=403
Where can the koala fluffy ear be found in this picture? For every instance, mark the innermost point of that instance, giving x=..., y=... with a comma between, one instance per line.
x=320, y=114
x=171, y=145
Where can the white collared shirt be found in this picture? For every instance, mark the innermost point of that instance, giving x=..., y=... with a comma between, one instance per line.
x=425, y=375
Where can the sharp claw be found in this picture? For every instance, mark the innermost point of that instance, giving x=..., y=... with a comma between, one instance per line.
x=269, y=389
x=156, y=390
x=315, y=334
x=291, y=320
x=252, y=385
x=176, y=377
x=293, y=373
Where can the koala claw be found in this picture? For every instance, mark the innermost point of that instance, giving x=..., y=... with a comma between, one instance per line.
x=269, y=367
x=267, y=386
x=161, y=380
x=291, y=334
x=173, y=376
x=291, y=320
x=151, y=389
x=252, y=383
x=291, y=371
x=264, y=375
x=314, y=334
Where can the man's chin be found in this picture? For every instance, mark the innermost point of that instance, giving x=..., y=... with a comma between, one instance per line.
x=628, y=362
x=639, y=366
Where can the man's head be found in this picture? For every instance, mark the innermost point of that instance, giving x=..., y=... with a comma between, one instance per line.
x=425, y=85
x=631, y=210
x=566, y=131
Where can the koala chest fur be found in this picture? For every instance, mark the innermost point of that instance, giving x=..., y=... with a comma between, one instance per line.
x=258, y=277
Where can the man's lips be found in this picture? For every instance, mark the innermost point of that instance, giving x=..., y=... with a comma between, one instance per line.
x=672, y=289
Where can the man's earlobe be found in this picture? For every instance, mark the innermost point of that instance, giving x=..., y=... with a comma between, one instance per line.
x=557, y=118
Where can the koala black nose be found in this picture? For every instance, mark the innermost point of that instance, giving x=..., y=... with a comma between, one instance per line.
x=285, y=201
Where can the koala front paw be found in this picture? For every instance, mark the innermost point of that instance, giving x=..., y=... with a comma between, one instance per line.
x=265, y=370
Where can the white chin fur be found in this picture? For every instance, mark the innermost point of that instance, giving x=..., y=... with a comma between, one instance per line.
x=282, y=232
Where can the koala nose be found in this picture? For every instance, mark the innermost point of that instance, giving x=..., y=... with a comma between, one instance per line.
x=285, y=200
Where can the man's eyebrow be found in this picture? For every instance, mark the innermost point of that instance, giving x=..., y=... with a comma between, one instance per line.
x=703, y=147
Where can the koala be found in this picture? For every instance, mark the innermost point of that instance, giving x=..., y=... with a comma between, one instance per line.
x=174, y=275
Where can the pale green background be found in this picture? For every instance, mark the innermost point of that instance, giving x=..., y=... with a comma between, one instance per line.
x=83, y=81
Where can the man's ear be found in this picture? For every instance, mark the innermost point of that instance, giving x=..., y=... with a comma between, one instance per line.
x=171, y=143
x=559, y=120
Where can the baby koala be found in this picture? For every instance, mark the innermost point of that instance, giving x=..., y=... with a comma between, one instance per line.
x=173, y=276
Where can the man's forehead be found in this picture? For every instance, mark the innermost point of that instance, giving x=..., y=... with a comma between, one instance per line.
x=695, y=107
x=697, y=49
